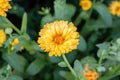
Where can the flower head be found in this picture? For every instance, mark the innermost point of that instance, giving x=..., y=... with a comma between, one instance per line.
x=90, y=75
x=85, y=4
x=4, y=6
x=115, y=8
x=15, y=42
x=2, y=37
x=58, y=38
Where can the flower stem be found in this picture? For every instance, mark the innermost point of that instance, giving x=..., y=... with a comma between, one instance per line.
x=13, y=26
x=101, y=58
x=78, y=20
x=84, y=30
x=69, y=66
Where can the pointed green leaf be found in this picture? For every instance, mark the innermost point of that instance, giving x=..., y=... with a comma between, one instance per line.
x=82, y=44
x=62, y=64
x=4, y=22
x=104, y=13
x=67, y=75
x=14, y=77
x=24, y=23
x=78, y=68
x=91, y=61
x=46, y=19
x=113, y=72
x=18, y=62
x=36, y=66
x=63, y=10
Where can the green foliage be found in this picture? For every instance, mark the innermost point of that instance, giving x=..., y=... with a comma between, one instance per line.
x=78, y=68
x=90, y=61
x=5, y=72
x=24, y=23
x=62, y=10
x=113, y=71
x=99, y=42
x=83, y=45
x=36, y=66
x=67, y=75
x=62, y=64
x=104, y=13
x=18, y=62
x=14, y=77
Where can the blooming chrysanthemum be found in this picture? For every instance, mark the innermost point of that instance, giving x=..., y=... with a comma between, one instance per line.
x=58, y=38
x=115, y=8
x=85, y=4
x=90, y=75
x=4, y=6
x=2, y=37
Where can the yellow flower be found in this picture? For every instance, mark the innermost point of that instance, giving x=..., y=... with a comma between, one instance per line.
x=58, y=38
x=115, y=8
x=85, y=4
x=4, y=6
x=90, y=75
x=15, y=42
x=2, y=37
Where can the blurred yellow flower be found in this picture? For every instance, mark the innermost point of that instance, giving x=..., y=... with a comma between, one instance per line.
x=2, y=37
x=90, y=75
x=115, y=8
x=4, y=6
x=58, y=38
x=85, y=4
x=15, y=42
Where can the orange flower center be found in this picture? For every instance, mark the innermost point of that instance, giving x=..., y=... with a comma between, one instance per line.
x=58, y=39
x=85, y=4
x=117, y=9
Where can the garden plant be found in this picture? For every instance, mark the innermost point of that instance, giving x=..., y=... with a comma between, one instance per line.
x=59, y=39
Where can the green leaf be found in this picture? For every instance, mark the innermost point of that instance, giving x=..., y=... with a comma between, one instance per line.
x=18, y=62
x=46, y=19
x=104, y=13
x=103, y=49
x=14, y=77
x=17, y=10
x=71, y=57
x=4, y=22
x=82, y=44
x=36, y=66
x=62, y=64
x=63, y=10
x=24, y=23
x=91, y=61
x=67, y=75
x=84, y=15
x=6, y=70
x=32, y=47
x=78, y=68
x=56, y=74
x=54, y=59
x=113, y=71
